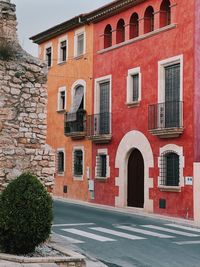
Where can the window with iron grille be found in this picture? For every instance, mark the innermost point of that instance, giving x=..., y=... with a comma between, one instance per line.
x=60, y=163
x=49, y=56
x=63, y=51
x=170, y=169
x=80, y=44
x=78, y=162
x=101, y=166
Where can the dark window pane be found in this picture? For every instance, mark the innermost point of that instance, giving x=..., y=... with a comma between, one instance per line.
x=60, y=162
x=172, y=169
x=78, y=163
x=135, y=87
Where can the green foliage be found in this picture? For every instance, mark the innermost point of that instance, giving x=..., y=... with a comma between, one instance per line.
x=25, y=215
x=6, y=49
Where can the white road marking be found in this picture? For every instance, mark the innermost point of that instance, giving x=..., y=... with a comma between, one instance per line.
x=116, y=233
x=72, y=224
x=88, y=235
x=71, y=240
x=184, y=227
x=170, y=230
x=187, y=242
x=145, y=232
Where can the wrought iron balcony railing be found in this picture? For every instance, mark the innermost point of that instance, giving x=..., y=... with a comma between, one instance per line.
x=99, y=127
x=166, y=119
x=76, y=128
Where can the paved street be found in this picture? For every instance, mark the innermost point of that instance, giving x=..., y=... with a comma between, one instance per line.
x=126, y=240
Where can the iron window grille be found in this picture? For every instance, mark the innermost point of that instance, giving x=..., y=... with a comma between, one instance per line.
x=63, y=48
x=49, y=56
x=170, y=169
x=101, y=166
x=60, y=166
x=78, y=163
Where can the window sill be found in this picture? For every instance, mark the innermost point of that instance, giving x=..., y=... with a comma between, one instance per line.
x=133, y=104
x=79, y=57
x=61, y=111
x=78, y=178
x=103, y=179
x=176, y=189
x=62, y=63
x=141, y=37
x=60, y=174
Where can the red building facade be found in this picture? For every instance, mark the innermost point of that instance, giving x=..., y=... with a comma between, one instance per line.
x=146, y=100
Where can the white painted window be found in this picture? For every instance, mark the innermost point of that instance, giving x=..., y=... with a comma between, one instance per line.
x=134, y=86
x=171, y=164
x=63, y=49
x=48, y=54
x=102, y=169
x=80, y=42
x=61, y=99
x=103, y=105
x=78, y=163
x=60, y=161
x=162, y=65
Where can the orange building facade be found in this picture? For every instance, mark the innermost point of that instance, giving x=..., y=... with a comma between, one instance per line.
x=68, y=50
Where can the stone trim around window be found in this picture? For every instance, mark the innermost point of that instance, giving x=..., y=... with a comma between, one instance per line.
x=99, y=153
x=77, y=177
x=77, y=33
x=59, y=103
x=179, y=151
x=62, y=39
x=129, y=89
x=57, y=170
x=47, y=46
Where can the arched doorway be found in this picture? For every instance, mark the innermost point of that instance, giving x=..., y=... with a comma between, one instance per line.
x=135, y=196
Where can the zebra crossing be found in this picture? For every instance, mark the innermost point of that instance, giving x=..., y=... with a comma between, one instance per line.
x=90, y=231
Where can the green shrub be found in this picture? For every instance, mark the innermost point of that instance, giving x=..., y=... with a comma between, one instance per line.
x=25, y=215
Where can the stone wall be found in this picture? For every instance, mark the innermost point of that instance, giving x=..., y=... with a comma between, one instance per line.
x=23, y=110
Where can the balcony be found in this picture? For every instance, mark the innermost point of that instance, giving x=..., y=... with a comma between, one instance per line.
x=99, y=128
x=166, y=119
x=76, y=128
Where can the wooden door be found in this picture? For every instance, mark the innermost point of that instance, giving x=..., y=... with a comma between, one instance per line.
x=136, y=180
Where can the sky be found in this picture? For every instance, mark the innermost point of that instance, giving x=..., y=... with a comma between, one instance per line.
x=35, y=16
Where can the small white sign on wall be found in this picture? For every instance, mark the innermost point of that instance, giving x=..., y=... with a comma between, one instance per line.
x=188, y=180
x=91, y=185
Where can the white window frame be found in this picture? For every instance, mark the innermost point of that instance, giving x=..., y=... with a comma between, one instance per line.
x=97, y=82
x=99, y=153
x=78, y=178
x=73, y=90
x=48, y=45
x=61, y=89
x=129, y=88
x=76, y=34
x=57, y=151
x=62, y=39
x=161, y=76
x=179, y=151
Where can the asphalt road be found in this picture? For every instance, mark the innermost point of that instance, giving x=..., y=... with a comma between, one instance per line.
x=125, y=240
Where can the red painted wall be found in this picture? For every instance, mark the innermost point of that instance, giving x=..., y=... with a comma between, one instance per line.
x=145, y=54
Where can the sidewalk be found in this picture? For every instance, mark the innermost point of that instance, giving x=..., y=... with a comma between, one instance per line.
x=132, y=211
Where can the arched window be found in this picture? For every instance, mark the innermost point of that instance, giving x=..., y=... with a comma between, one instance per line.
x=149, y=20
x=120, y=37
x=108, y=36
x=134, y=26
x=165, y=13
x=170, y=175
